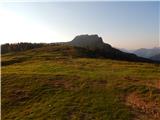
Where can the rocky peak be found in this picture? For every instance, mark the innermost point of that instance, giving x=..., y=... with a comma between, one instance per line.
x=88, y=41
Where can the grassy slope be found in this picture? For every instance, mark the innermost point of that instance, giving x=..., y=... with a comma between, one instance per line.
x=51, y=83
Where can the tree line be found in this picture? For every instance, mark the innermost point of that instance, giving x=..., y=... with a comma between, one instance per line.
x=17, y=47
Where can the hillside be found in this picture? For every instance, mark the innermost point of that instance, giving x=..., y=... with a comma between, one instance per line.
x=155, y=57
x=69, y=83
x=95, y=43
x=17, y=47
x=91, y=45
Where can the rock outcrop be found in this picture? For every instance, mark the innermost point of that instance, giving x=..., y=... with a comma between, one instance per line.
x=96, y=44
x=92, y=42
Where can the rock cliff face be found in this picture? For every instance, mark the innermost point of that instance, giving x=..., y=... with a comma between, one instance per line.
x=89, y=41
x=96, y=44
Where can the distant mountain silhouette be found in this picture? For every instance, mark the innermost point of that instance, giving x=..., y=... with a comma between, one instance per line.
x=96, y=44
x=126, y=50
x=155, y=57
x=91, y=42
x=81, y=46
x=147, y=53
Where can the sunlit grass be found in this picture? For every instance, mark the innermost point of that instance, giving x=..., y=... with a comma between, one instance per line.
x=73, y=88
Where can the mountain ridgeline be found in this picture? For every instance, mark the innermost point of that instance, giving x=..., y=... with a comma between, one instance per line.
x=155, y=57
x=147, y=53
x=81, y=46
x=84, y=79
x=96, y=44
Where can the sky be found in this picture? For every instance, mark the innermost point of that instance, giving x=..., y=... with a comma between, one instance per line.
x=129, y=25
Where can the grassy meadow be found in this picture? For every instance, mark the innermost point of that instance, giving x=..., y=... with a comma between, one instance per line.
x=55, y=83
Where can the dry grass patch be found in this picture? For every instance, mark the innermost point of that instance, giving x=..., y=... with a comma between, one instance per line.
x=150, y=109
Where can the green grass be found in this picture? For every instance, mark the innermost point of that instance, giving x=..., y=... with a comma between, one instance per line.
x=49, y=84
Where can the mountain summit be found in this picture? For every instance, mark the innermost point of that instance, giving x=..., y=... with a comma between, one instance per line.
x=96, y=44
x=81, y=46
x=89, y=41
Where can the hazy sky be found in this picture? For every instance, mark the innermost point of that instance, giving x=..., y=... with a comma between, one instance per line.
x=128, y=25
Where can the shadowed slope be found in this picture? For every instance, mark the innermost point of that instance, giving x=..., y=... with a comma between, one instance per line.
x=62, y=51
x=96, y=44
x=155, y=57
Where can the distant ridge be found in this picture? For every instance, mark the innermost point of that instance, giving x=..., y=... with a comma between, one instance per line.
x=155, y=57
x=147, y=53
x=95, y=43
x=81, y=46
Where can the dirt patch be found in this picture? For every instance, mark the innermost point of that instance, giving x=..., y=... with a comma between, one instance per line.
x=149, y=109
